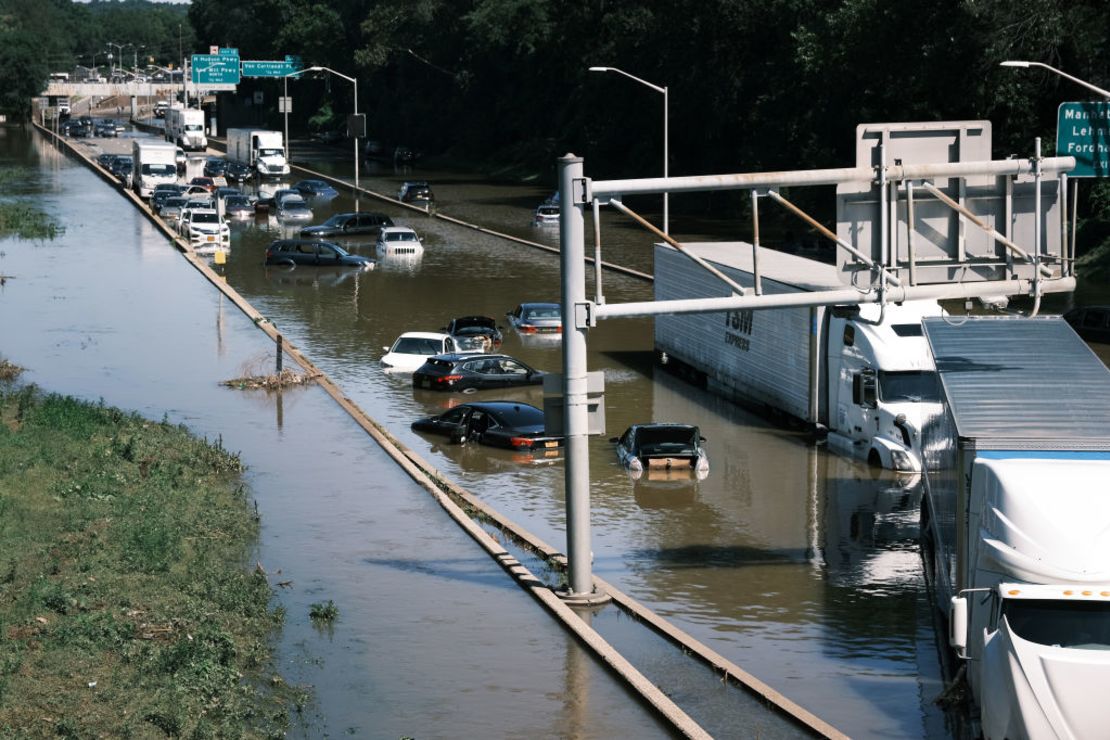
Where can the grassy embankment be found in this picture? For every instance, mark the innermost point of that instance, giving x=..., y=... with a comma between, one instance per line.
x=128, y=604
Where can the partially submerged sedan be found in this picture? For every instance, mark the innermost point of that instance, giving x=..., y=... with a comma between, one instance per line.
x=662, y=448
x=467, y=372
x=537, y=318
x=514, y=426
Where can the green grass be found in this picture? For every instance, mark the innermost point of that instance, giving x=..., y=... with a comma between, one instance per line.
x=128, y=607
x=26, y=222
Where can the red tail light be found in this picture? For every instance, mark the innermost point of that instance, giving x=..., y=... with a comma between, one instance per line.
x=528, y=329
x=448, y=379
x=520, y=441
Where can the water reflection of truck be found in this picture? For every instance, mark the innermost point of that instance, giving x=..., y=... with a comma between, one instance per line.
x=262, y=151
x=863, y=373
x=185, y=127
x=1016, y=519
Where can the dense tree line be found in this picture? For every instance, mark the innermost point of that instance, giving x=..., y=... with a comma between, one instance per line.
x=38, y=37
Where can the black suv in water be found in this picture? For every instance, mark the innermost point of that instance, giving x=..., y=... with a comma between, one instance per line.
x=349, y=223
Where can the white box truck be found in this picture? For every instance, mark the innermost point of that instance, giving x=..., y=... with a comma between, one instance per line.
x=155, y=162
x=1015, y=521
x=185, y=127
x=262, y=151
x=862, y=373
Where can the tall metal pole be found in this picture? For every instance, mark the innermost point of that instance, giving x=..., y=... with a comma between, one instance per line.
x=285, y=105
x=355, y=83
x=666, y=163
x=572, y=237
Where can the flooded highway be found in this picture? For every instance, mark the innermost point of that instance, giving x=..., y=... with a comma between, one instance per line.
x=798, y=565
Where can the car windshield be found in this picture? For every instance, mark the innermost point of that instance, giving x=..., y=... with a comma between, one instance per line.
x=205, y=218
x=192, y=127
x=174, y=202
x=914, y=385
x=418, y=346
x=312, y=185
x=337, y=220
x=167, y=170
x=270, y=152
x=236, y=200
x=400, y=236
x=1081, y=625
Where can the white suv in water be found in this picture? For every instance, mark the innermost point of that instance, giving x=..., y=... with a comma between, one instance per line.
x=204, y=228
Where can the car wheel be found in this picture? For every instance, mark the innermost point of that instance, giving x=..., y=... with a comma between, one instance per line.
x=470, y=390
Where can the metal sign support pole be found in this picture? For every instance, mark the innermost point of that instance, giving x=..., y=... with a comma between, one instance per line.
x=572, y=236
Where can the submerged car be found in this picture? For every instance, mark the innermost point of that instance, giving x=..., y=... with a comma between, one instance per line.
x=537, y=318
x=215, y=167
x=415, y=191
x=315, y=190
x=478, y=333
x=466, y=372
x=397, y=240
x=515, y=426
x=172, y=207
x=669, y=448
x=237, y=172
x=349, y=224
x=238, y=207
x=293, y=208
x=546, y=215
x=315, y=253
x=413, y=348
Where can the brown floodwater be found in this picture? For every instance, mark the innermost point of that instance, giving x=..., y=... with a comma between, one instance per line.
x=799, y=565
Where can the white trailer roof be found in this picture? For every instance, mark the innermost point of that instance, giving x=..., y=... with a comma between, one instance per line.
x=805, y=274
x=1021, y=383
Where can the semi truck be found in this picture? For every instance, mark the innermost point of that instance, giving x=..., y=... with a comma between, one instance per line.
x=262, y=151
x=1015, y=521
x=155, y=162
x=863, y=374
x=185, y=127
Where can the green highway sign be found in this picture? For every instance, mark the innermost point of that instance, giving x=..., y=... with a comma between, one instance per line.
x=272, y=69
x=216, y=69
x=1083, y=132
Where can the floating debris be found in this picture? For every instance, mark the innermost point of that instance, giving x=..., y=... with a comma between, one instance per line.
x=273, y=381
x=9, y=371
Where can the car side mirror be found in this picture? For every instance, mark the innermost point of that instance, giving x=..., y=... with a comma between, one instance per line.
x=702, y=439
x=386, y=348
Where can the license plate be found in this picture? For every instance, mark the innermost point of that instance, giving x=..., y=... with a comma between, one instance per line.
x=550, y=444
x=211, y=238
x=425, y=384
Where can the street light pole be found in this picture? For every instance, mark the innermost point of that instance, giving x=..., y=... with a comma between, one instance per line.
x=1065, y=75
x=666, y=134
x=354, y=82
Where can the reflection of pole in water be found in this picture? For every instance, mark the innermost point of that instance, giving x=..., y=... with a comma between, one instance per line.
x=280, y=404
x=220, y=327
x=813, y=509
x=576, y=703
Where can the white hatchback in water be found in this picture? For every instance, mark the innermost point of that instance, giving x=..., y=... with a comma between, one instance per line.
x=413, y=348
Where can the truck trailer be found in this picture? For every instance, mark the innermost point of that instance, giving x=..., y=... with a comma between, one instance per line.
x=262, y=151
x=185, y=127
x=155, y=162
x=862, y=373
x=1015, y=521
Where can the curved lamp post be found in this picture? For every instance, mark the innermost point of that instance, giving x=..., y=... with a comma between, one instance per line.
x=1065, y=75
x=663, y=90
x=351, y=80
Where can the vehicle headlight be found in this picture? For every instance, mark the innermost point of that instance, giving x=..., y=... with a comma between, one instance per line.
x=901, y=460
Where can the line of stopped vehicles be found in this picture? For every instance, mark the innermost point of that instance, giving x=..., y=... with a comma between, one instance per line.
x=461, y=357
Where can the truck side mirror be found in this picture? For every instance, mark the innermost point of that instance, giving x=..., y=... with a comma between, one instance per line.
x=865, y=389
x=957, y=625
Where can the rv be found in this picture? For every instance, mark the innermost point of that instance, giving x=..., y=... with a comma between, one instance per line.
x=185, y=127
x=262, y=151
x=862, y=373
x=1014, y=521
x=155, y=163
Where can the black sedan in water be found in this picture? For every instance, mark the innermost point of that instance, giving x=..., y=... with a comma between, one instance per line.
x=237, y=172
x=515, y=426
x=291, y=252
x=349, y=224
x=465, y=372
